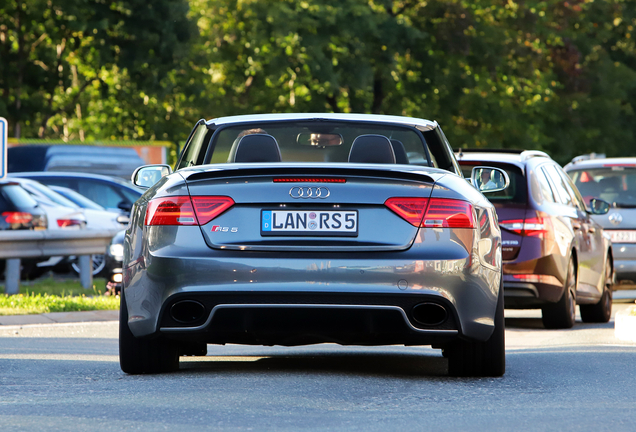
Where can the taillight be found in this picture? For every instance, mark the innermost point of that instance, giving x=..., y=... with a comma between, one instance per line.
x=17, y=217
x=526, y=227
x=448, y=213
x=65, y=223
x=434, y=212
x=179, y=210
x=209, y=207
x=410, y=209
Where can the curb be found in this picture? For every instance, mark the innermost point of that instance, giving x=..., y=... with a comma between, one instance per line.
x=60, y=317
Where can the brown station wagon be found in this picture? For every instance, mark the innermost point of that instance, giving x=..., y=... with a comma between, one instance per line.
x=555, y=255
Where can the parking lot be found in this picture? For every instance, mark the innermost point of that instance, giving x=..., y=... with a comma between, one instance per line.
x=67, y=377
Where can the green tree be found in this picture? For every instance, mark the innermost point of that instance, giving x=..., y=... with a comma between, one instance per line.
x=59, y=55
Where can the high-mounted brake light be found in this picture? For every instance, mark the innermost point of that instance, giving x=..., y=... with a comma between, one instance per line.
x=434, y=212
x=309, y=180
x=12, y=217
x=529, y=227
x=179, y=210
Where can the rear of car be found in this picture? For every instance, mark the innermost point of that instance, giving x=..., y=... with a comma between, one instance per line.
x=555, y=256
x=309, y=231
x=19, y=211
x=523, y=233
x=613, y=180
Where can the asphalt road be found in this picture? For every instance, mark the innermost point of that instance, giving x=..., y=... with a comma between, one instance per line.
x=67, y=377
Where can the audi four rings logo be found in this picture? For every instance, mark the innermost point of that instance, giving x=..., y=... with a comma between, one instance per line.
x=309, y=192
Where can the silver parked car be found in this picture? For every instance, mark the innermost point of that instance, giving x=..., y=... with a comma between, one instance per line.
x=613, y=180
x=294, y=229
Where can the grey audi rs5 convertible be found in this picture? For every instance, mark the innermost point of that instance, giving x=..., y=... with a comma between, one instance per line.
x=294, y=229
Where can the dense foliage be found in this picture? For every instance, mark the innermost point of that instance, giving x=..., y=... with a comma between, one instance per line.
x=552, y=75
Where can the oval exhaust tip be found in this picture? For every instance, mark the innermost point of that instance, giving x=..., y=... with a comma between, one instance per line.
x=187, y=311
x=429, y=314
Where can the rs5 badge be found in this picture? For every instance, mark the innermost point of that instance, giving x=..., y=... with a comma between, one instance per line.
x=218, y=228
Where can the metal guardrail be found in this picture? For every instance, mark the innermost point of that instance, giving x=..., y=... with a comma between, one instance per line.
x=15, y=245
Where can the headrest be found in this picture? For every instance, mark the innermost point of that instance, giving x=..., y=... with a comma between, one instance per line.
x=372, y=149
x=257, y=148
x=400, y=152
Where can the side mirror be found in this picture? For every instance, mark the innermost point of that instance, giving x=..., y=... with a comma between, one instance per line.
x=598, y=206
x=147, y=175
x=489, y=179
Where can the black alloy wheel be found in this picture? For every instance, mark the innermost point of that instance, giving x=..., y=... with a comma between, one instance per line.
x=562, y=314
x=601, y=311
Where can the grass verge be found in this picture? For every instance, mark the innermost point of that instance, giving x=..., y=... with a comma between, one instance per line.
x=51, y=295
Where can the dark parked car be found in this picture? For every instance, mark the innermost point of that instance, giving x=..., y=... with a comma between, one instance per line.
x=112, y=161
x=612, y=180
x=297, y=229
x=19, y=211
x=555, y=255
x=112, y=193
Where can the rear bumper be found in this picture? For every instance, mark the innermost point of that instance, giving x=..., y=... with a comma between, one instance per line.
x=293, y=319
x=533, y=283
x=625, y=262
x=524, y=295
x=267, y=298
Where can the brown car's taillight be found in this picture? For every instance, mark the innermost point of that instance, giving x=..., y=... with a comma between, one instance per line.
x=13, y=217
x=529, y=227
x=183, y=210
x=433, y=212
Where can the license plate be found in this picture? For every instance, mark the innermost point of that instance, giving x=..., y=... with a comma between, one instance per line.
x=622, y=236
x=309, y=223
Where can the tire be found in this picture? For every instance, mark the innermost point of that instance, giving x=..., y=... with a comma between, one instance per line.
x=480, y=359
x=601, y=311
x=139, y=356
x=562, y=314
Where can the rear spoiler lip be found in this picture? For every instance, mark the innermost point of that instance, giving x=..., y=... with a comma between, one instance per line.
x=400, y=172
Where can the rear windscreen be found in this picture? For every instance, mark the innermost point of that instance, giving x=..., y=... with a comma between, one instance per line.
x=516, y=192
x=614, y=184
x=320, y=141
x=18, y=196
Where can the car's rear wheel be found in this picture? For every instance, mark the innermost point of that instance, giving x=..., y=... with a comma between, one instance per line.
x=137, y=356
x=466, y=358
x=562, y=314
x=601, y=311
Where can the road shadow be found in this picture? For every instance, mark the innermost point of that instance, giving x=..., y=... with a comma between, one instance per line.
x=524, y=323
x=406, y=365
x=536, y=323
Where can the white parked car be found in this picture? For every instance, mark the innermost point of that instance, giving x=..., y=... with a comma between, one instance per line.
x=64, y=213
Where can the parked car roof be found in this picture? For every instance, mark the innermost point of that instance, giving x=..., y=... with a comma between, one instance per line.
x=116, y=161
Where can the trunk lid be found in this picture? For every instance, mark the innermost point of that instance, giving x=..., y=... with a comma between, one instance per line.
x=309, y=209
